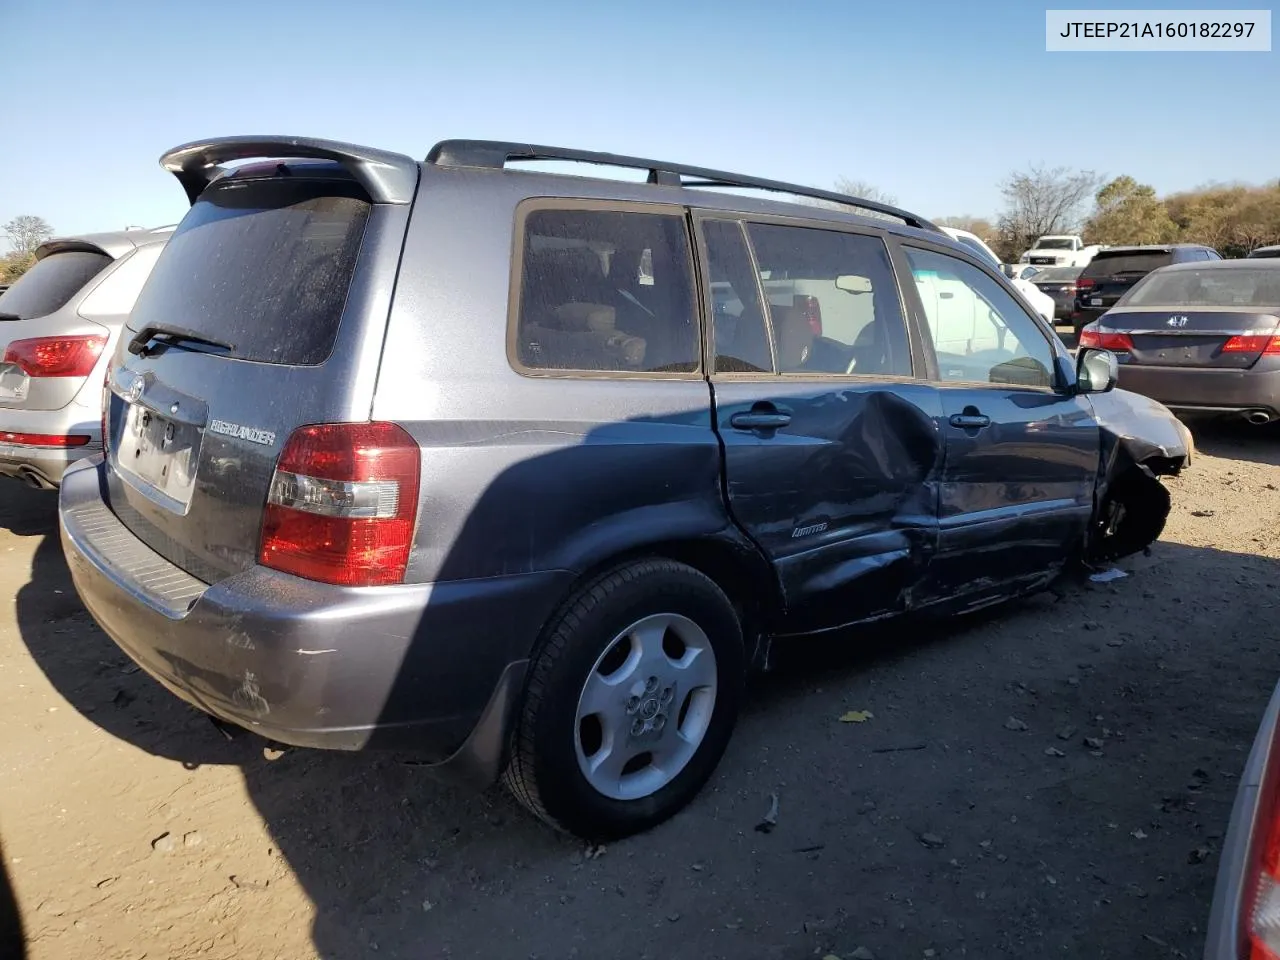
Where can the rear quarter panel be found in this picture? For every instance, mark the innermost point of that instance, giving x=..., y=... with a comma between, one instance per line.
x=525, y=473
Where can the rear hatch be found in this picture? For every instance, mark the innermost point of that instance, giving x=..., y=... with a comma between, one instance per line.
x=1112, y=273
x=46, y=356
x=1204, y=316
x=265, y=312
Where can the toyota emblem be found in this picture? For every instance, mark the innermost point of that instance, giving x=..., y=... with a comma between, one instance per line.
x=135, y=388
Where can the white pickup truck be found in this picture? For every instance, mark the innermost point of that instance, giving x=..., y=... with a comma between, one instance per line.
x=1060, y=250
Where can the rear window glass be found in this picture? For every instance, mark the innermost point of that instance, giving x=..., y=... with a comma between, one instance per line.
x=1056, y=275
x=1208, y=288
x=607, y=291
x=262, y=265
x=1054, y=243
x=51, y=282
x=1104, y=265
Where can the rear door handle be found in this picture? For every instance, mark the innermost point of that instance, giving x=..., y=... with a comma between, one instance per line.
x=759, y=420
x=970, y=421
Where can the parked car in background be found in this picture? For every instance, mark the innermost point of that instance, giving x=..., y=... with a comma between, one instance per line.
x=58, y=325
x=1060, y=284
x=1264, y=252
x=1200, y=337
x=1244, y=921
x=1042, y=304
x=1110, y=274
x=341, y=435
x=1019, y=271
x=1060, y=250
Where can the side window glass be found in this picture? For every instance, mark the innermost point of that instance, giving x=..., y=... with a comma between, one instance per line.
x=833, y=301
x=738, y=327
x=117, y=293
x=604, y=290
x=980, y=333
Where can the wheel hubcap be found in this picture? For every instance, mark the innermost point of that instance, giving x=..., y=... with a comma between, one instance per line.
x=645, y=706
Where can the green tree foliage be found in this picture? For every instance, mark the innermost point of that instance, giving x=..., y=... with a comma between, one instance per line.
x=1128, y=212
x=14, y=265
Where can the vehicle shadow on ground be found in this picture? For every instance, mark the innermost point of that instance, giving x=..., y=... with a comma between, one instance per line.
x=12, y=938
x=397, y=864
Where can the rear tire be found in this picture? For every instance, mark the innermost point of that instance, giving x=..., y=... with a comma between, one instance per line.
x=590, y=668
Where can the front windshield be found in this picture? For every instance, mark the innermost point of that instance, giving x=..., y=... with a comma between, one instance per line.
x=1209, y=288
x=1054, y=243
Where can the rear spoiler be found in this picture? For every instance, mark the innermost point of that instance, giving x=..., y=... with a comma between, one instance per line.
x=388, y=177
x=70, y=245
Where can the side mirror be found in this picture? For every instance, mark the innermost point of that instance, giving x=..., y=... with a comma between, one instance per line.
x=1097, y=371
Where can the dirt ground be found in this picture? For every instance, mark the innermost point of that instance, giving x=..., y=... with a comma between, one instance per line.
x=132, y=829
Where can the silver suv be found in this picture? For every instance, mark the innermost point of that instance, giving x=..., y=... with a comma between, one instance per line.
x=59, y=323
x=526, y=471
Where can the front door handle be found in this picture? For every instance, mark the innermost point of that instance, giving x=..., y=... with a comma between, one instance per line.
x=970, y=421
x=759, y=420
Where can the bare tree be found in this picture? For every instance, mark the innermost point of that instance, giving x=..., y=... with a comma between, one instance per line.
x=1041, y=201
x=26, y=232
x=863, y=191
x=979, y=226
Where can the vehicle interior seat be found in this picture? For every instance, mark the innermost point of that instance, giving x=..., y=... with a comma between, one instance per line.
x=578, y=333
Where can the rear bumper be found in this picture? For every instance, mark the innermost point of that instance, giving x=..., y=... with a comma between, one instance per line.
x=1193, y=390
x=44, y=466
x=424, y=667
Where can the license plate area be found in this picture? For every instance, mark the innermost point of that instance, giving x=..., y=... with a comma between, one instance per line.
x=159, y=453
x=14, y=384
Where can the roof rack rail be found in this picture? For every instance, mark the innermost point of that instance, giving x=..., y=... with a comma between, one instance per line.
x=495, y=154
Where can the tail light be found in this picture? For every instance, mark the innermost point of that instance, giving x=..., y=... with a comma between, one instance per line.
x=45, y=439
x=1070, y=288
x=1260, y=900
x=56, y=356
x=343, y=503
x=1097, y=340
x=1085, y=283
x=1264, y=344
x=811, y=310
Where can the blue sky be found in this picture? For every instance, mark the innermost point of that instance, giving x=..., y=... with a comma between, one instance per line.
x=933, y=102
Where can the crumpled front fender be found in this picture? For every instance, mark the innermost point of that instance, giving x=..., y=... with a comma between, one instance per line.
x=1143, y=429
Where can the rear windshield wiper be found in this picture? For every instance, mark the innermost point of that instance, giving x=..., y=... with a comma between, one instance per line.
x=172, y=335
x=9, y=316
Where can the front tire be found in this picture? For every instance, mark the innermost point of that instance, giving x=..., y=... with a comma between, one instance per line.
x=633, y=693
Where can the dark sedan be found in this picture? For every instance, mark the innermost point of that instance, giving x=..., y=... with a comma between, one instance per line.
x=1059, y=283
x=1113, y=272
x=1200, y=337
x=1244, y=922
